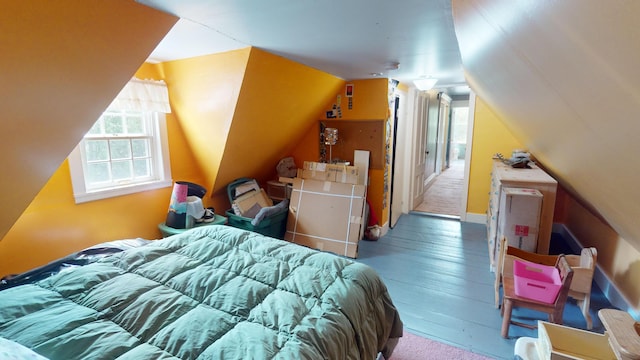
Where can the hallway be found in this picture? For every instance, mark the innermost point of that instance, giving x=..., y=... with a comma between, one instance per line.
x=444, y=195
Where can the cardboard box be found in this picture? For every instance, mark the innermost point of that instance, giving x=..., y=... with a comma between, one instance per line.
x=242, y=186
x=278, y=191
x=326, y=215
x=329, y=172
x=519, y=217
x=316, y=175
x=245, y=195
x=250, y=203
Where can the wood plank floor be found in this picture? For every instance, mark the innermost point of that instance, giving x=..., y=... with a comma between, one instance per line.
x=437, y=272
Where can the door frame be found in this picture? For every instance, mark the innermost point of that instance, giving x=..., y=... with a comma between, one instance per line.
x=444, y=114
x=396, y=120
x=408, y=153
x=467, y=157
x=418, y=152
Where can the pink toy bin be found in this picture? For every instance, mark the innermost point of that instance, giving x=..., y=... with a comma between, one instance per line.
x=537, y=282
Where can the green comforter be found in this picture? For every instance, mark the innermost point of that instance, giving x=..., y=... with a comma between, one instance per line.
x=210, y=293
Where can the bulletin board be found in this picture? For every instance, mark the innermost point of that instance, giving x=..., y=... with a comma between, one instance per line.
x=356, y=135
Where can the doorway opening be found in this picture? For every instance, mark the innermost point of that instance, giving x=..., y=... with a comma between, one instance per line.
x=443, y=194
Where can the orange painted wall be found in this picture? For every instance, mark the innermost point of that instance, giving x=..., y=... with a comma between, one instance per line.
x=204, y=93
x=308, y=146
x=207, y=93
x=490, y=136
x=370, y=102
x=54, y=226
x=242, y=111
x=62, y=62
x=279, y=100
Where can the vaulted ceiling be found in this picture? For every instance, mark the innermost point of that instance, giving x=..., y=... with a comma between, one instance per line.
x=356, y=39
x=561, y=74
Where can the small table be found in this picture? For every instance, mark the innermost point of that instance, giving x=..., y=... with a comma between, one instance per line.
x=168, y=230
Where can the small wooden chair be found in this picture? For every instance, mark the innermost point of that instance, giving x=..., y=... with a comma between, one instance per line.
x=553, y=310
x=504, y=265
x=583, y=266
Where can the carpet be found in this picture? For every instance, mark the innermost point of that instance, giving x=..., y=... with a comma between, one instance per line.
x=414, y=347
x=444, y=195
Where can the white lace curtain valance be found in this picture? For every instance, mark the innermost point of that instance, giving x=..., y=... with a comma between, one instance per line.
x=143, y=95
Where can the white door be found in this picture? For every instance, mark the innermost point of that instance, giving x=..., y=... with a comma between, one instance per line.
x=420, y=149
x=443, y=132
x=432, y=114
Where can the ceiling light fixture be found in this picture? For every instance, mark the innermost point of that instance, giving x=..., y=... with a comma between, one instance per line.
x=425, y=83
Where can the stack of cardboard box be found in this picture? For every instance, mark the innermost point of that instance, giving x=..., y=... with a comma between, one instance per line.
x=328, y=205
x=248, y=199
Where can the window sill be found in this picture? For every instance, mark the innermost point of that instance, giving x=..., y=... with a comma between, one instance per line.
x=109, y=193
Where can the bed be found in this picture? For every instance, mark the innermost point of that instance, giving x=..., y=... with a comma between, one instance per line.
x=213, y=292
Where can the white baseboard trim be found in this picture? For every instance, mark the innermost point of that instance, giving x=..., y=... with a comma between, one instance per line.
x=615, y=297
x=476, y=218
x=384, y=229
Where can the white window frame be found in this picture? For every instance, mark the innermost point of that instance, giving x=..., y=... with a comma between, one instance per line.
x=162, y=167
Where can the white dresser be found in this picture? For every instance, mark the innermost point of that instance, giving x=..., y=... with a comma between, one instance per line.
x=504, y=176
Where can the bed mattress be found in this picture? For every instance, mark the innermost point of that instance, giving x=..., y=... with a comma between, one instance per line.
x=213, y=292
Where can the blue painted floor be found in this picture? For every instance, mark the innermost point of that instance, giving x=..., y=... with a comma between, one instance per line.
x=437, y=272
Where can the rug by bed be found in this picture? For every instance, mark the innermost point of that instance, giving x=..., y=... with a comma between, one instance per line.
x=413, y=347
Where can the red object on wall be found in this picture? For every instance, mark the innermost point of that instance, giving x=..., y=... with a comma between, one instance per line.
x=373, y=220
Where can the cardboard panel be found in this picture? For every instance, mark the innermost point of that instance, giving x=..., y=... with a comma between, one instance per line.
x=315, y=175
x=361, y=162
x=330, y=172
x=346, y=249
x=326, y=215
x=250, y=203
x=520, y=217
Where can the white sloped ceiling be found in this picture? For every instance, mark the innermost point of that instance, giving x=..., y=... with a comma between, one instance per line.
x=563, y=76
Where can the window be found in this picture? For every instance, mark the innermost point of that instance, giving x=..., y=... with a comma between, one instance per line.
x=124, y=152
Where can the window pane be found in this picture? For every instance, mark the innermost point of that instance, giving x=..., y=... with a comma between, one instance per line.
x=97, y=172
x=140, y=147
x=113, y=124
x=460, y=121
x=96, y=129
x=135, y=124
x=120, y=149
x=141, y=168
x=120, y=155
x=97, y=150
x=121, y=170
